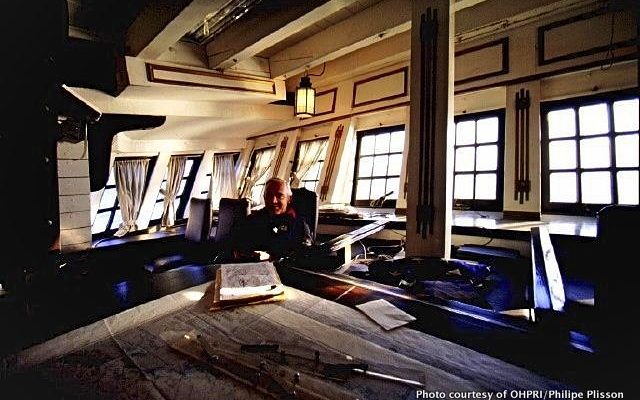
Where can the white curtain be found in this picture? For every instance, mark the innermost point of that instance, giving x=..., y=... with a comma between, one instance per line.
x=310, y=152
x=261, y=166
x=223, y=179
x=174, y=178
x=130, y=184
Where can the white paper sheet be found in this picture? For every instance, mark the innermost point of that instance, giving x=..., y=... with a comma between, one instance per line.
x=385, y=314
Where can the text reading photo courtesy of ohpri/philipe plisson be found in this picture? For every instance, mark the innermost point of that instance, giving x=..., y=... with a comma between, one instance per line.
x=521, y=394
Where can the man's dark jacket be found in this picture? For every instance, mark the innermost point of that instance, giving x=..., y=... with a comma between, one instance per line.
x=279, y=235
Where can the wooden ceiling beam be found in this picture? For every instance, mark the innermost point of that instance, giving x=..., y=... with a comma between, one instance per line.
x=254, y=33
x=164, y=22
x=382, y=20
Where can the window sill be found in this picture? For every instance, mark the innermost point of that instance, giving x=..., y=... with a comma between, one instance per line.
x=150, y=233
x=556, y=224
x=476, y=223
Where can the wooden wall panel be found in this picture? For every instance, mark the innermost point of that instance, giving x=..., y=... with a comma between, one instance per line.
x=584, y=34
x=207, y=79
x=326, y=102
x=483, y=61
x=74, y=197
x=387, y=86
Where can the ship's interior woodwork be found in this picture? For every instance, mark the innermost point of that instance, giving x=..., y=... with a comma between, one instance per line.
x=473, y=162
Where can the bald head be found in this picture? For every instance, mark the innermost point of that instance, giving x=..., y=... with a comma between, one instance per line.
x=277, y=196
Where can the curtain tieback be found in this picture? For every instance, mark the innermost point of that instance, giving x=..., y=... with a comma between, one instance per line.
x=125, y=228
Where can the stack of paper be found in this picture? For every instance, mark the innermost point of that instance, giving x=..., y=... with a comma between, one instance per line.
x=247, y=283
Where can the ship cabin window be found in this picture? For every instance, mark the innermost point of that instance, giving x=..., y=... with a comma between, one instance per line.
x=182, y=196
x=109, y=217
x=308, y=162
x=478, y=161
x=590, y=153
x=260, y=171
x=204, y=193
x=377, y=166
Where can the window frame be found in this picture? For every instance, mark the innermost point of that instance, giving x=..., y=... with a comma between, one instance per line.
x=188, y=187
x=482, y=204
x=296, y=160
x=116, y=206
x=389, y=203
x=579, y=208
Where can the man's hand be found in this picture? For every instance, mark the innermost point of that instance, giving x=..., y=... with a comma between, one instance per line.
x=251, y=256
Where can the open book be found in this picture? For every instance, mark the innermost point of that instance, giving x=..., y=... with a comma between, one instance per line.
x=249, y=280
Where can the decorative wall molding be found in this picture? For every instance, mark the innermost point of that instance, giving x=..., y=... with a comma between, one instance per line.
x=427, y=132
x=522, y=180
x=171, y=75
x=590, y=22
x=386, y=86
x=326, y=101
x=495, y=53
x=546, y=74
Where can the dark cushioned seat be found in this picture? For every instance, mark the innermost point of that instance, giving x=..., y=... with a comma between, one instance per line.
x=305, y=202
x=199, y=222
x=230, y=213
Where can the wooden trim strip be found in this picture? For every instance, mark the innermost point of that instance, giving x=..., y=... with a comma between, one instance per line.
x=522, y=184
x=516, y=175
x=527, y=182
x=151, y=68
x=521, y=215
x=405, y=88
x=283, y=146
x=504, y=43
x=427, y=134
x=521, y=110
x=333, y=155
x=432, y=128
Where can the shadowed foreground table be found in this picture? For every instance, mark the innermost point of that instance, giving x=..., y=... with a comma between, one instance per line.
x=128, y=355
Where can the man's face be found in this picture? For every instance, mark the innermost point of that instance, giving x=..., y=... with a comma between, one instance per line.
x=276, y=198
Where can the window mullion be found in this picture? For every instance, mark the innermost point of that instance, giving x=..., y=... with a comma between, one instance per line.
x=475, y=161
x=112, y=214
x=613, y=179
x=578, y=139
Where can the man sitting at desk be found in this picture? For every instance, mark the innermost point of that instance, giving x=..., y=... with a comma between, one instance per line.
x=274, y=231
